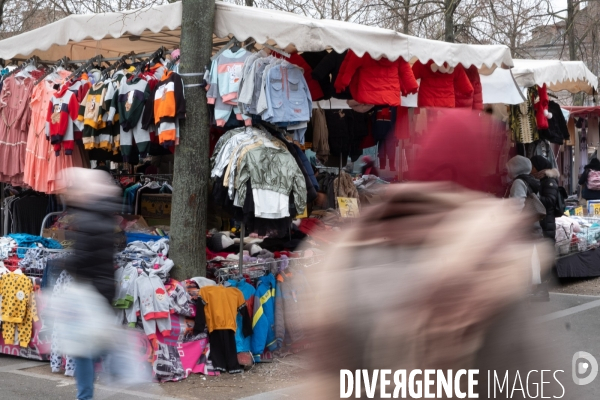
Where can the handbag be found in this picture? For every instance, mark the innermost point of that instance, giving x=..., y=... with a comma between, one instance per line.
x=533, y=205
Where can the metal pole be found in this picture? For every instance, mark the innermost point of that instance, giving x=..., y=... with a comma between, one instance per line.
x=242, y=235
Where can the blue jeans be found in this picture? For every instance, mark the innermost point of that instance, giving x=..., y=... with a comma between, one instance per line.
x=84, y=376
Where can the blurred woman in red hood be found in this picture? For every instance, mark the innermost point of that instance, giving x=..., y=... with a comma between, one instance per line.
x=463, y=147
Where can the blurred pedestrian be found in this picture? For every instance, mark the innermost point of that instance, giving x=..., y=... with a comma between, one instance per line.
x=432, y=277
x=92, y=199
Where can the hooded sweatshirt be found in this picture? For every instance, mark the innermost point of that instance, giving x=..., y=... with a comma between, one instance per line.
x=519, y=168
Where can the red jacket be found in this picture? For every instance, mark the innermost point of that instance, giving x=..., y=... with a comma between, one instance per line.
x=470, y=99
x=541, y=107
x=438, y=88
x=473, y=74
x=377, y=82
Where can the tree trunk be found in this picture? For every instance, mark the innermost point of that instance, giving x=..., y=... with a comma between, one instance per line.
x=571, y=29
x=449, y=7
x=406, y=18
x=190, y=180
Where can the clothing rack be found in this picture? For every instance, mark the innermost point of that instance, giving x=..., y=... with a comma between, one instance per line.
x=331, y=170
x=63, y=62
x=158, y=53
x=101, y=59
x=233, y=41
x=233, y=271
x=83, y=67
x=29, y=61
x=276, y=50
x=37, y=272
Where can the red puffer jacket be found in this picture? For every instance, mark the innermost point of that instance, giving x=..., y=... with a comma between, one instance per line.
x=541, y=107
x=473, y=74
x=377, y=82
x=438, y=88
x=472, y=99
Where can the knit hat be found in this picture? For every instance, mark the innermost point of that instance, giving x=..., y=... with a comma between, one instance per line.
x=219, y=241
x=540, y=163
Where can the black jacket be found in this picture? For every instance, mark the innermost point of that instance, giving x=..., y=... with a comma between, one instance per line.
x=94, y=247
x=326, y=73
x=557, y=131
x=549, y=197
x=586, y=193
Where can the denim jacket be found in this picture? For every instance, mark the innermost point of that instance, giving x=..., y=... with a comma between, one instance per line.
x=288, y=97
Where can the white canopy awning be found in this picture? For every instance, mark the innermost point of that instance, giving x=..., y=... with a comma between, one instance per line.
x=572, y=76
x=144, y=30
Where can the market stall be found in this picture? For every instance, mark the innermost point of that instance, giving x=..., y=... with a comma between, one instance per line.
x=277, y=161
x=563, y=134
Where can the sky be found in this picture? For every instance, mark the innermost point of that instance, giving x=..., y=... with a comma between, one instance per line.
x=559, y=4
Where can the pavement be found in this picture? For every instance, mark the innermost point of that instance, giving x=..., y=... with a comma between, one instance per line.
x=574, y=321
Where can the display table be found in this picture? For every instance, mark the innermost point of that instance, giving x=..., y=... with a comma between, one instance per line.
x=585, y=264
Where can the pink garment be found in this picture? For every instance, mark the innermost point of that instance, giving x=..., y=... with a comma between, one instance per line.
x=43, y=169
x=15, y=116
x=39, y=151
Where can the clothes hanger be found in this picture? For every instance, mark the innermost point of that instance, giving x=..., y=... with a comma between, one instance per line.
x=236, y=46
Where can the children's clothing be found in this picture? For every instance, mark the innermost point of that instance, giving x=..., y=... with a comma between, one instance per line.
x=91, y=113
x=223, y=352
x=224, y=81
x=152, y=305
x=18, y=308
x=62, y=112
x=15, y=116
x=125, y=278
x=242, y=343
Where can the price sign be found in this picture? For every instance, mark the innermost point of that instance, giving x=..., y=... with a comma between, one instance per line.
x=348, y=207
x=579, y=211
x=596, y=209
x=304, y=214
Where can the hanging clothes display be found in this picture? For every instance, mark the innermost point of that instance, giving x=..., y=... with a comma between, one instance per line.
x=217, y=308
x=224, y=81
x=378, y=82
x=522, y=120
x=37, y=171
x=46, y=124
x=557, y=131
x=15, y=116
x=326, y=73
x=440, y=85
x=256, y=176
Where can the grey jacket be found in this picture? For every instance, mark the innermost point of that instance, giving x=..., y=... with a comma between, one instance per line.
x=272, y=169
x=291, y=307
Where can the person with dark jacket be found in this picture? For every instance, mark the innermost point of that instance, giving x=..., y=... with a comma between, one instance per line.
x=587, y=193
x=92, y=200
x=548, y=194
